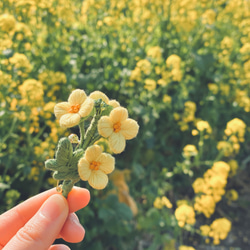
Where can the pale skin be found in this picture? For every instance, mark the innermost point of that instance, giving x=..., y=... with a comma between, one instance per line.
x=38, y=221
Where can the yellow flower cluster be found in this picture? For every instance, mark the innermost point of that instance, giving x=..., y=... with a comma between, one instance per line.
x=185, y=215
x=210, y=188
x=7, y=23
x=173, y=63
x=234, y=132
x=187, y=116
x=32, y=93
x=204, y=127
x=160, y=202
x=189, y=151
x=236, y=127
x=155, y=53
x=218, y=230
x=186, y=248
x=20, y=64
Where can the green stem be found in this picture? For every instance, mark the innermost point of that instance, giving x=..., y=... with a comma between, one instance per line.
x=67, y=187
x=82, y=133
x=91, y=130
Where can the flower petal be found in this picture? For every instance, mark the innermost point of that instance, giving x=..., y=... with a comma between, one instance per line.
x=98, y=179
x=69, y=120
x=114, y=103
x=61, y=109
x=117, y=142
x=77, y=96
x=105, y=126
x=83, y=169
x=118, y=114
x=99, y=95
x=129, y=129
x=86, y=107
x=107, y=163
x=92, y=153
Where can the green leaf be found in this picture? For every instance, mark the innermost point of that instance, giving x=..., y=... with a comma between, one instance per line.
x=51, y=164
x=64, y=152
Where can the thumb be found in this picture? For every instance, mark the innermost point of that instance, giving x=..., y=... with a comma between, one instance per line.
x=42, y=229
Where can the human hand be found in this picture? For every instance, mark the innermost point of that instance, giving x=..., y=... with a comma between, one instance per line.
x=38, y=221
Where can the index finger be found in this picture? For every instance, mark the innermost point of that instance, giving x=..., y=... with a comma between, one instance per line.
x=12, y=220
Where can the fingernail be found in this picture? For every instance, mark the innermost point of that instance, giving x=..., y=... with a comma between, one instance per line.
x=74, y=219
x=53, y=206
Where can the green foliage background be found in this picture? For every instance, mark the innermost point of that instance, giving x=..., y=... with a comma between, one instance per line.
x=97, y=45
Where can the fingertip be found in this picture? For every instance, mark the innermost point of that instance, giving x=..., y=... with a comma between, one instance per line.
x=59, y=247
x=72, y=230
x=78, y=198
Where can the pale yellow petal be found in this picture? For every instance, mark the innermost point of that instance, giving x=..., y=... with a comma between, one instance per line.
x=77, y=96
x=114, y=103
x=92, y=153
x=129, y=129
x=118, y=115
x=83, y=169
x=107, y=163
x=69, y=120
x=86, y=107
x=98, y=179
x=99, y=95
x=61, y=109
x=105, y=126
x=117, y=143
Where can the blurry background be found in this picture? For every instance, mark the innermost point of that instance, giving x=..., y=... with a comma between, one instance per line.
x=182, y=68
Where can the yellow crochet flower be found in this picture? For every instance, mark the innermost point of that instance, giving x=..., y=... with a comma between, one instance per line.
x=100, y=95
x=118, y=128
x=78, y=106
x=94, y=167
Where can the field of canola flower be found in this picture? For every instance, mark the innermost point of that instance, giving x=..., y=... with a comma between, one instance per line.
x=181, y=68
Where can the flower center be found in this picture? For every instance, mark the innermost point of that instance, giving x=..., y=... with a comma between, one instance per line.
x=74, y=108
x=94, y=165
x=117, y=127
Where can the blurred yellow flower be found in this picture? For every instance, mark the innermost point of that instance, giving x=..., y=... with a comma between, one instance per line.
x=226, y=147
x=94, y=167
x=154, y=52
x=189, y=150
x=186, y=248
x=205, y=204
x=118, y=128
x=204, y=125
x=199, y=185
x=145, y=66
x=167, y=99
x=185, y=215
x=232, y=195
x=220, y=229
x=32, y=92
x=173, y=61
x=161, y=202
x=205, y=229
x=236, y=127
x=213, y=88
x=150, y=84
x=7, y=22
x=233, y=167
x=78, y=106
x=208, y=17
